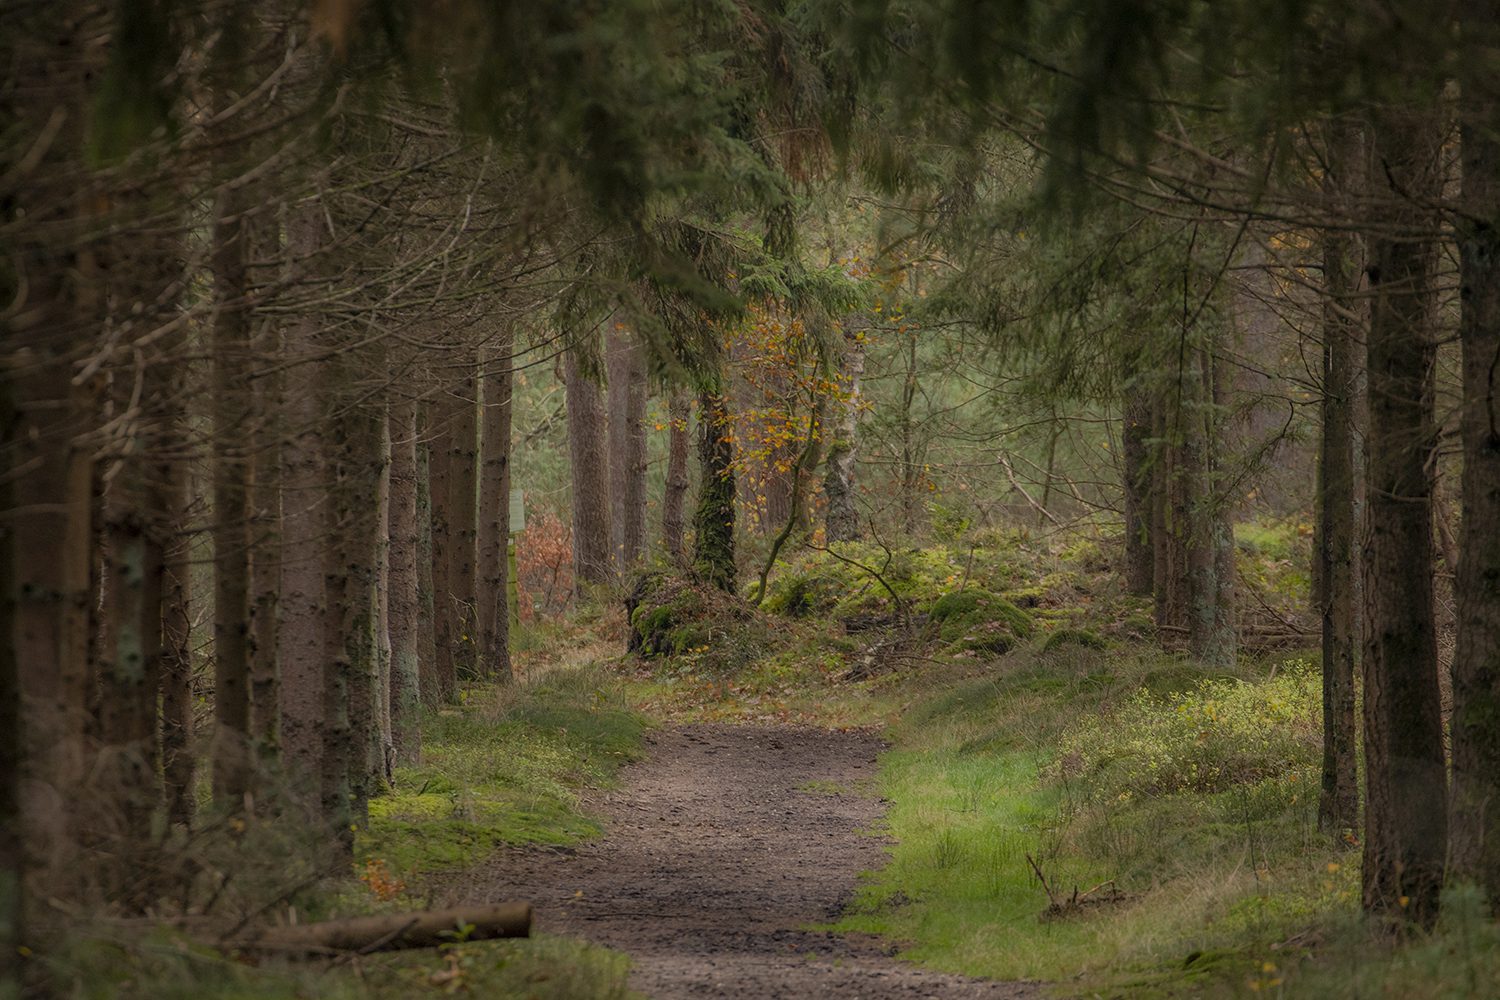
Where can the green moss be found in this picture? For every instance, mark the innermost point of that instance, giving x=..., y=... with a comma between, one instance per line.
x=501, y=772
x=1079, y=637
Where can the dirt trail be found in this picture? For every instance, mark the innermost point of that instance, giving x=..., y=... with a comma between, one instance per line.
x=718, y=849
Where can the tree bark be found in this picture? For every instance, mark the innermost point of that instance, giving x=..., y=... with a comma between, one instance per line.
x=1476, y=659
x=1405, y=780
x=404, y=608
x=427, y=658
x=1136, y=468
x=463, y=520
x=442, y=686
x=303, y=602
x=674, y=499
x=590, y=465
x=231, y=510
x=265, y=560
x=713, y=521
x=841, y=519
x=391, y=931
x=494, y=516
x=1338, y=803
x=627, y=445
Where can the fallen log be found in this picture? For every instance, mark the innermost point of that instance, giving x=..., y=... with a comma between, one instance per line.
x=393, y=931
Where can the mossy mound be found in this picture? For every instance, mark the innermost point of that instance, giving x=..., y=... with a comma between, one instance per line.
x=975, y=619
x=1080, y=638
x=672, y=616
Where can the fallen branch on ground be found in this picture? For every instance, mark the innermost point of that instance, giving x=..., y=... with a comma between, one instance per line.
x=392, y=931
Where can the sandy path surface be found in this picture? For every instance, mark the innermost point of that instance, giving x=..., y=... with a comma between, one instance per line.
x=719, y=848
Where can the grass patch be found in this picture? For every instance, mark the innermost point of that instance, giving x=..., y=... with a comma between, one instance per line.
x=163, y=965
x=506, y=768
x=1194, y=795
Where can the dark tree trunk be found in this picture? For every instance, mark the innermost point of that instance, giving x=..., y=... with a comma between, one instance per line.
x=1405, y=780
x=494, y=516
x=442, y=685
x=463, y=520
x=178, y=761
x=427, y=658
x=1136, y=474
x=231, y=510
x=590, y=470
x=841, y=520
x=1476, y=660
x=674, y=499
x=12, y=849
x=1338, y=804
x=404, y=608
x=265, y=562
x=302, y=602
x=627, y=445
x=713, y=521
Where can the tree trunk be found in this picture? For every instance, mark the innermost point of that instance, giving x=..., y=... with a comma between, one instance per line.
x=911, y=471
x=1137, y=479
x=178, y=762
x=713, y=521
x=590, y=467
x=303, y=603
x=841, y=519
x=384, y=738
x=463, y=520
x=1476, y=660
x=427, y=658
x=442, y=686
x=355, y=530
x=231, y=510
x=494, y=516
x=1338, y=804
x=674, y=499
x=1405, y=780
x=265, y=560
x=12, y=845
x=627, y=445
x=404, y=609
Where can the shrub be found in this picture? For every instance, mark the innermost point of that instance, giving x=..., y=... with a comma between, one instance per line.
x=1214, y=736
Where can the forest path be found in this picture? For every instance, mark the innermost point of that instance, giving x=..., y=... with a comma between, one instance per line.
x=719, y=848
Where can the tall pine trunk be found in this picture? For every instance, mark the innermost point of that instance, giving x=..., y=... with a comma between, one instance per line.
x=404, y=606
x=442, y=684
x=463, y=518
x=303, y=603
x=713, y=520
x=841, y=519
x=231, y=510
x=494, y=515
x=627, y=445
x=1476, y=660
x=1405, y=780
x=674, y=498
x=1338, y=803
x=590, y=471
x=1136, y=475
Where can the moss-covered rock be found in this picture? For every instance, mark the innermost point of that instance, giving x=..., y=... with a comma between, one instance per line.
x=670, y=615
x=975, y=619
x=1081, y=638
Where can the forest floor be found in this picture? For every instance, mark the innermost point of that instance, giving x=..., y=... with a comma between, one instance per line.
x=722, y=849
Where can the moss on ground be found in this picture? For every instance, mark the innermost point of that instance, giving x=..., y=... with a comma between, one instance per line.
x=507, y=768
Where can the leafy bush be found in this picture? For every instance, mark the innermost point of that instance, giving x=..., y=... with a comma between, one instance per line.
x=1217, y=735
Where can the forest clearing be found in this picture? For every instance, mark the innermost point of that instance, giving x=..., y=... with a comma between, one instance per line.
x=675, y=498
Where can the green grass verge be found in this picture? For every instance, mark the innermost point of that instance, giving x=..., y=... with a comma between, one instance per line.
x=166, y=966
x=1068, y=761
x=505, y=768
